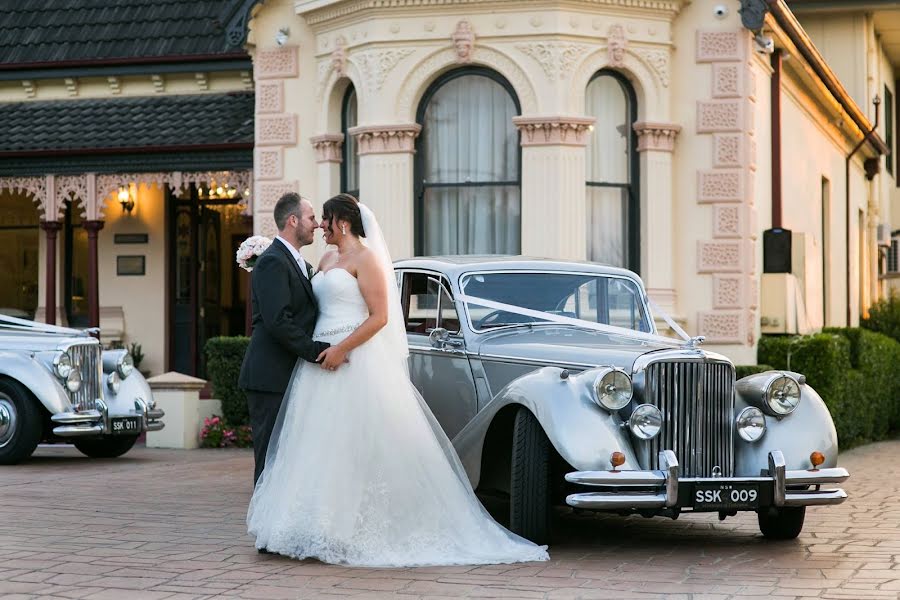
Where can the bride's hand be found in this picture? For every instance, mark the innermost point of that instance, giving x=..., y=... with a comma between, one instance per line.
x=331, y=358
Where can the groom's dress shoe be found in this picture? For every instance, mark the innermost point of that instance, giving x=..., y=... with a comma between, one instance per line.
x=263, y=551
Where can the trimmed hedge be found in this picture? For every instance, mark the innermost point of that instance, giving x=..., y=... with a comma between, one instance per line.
x=853, y=370
x=741, y=371
x=224, y=356
x=884, y=317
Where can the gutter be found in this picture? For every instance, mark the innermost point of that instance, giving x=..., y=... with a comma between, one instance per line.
x=794, y=31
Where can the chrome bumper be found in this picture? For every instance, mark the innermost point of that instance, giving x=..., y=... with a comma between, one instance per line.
x=98, y=422
x=661, y=489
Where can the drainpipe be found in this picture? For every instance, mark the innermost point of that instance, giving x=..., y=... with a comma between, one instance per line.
x=876, y=101
x=776, y=138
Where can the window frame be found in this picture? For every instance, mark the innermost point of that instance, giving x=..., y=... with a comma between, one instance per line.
x=632, y=188
x=345, y=147
x=419, y=185
x=443, y=285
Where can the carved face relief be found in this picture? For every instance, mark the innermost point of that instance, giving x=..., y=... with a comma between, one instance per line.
x=616, y=44
x=339, y=56
x=463, y=41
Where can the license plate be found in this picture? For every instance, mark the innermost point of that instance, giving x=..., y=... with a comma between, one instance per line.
x=126, y=425
x=726, y=496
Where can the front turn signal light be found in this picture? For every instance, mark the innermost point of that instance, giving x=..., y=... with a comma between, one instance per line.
x=617, y=459
x=816, y=458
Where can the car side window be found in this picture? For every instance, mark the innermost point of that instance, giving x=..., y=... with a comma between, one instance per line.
x=427, y=304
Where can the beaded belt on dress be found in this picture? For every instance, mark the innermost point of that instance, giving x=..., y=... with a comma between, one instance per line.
x=336, y=330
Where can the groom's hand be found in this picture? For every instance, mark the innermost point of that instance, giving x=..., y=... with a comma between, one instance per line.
x=331, y=358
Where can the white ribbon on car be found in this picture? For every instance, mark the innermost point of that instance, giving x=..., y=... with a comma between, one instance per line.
x=601, y=327
x=15, y=324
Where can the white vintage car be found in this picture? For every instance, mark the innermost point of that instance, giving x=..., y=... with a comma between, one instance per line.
x=59, y=385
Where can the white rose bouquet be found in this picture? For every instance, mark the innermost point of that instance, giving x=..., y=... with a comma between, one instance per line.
x=250, y=250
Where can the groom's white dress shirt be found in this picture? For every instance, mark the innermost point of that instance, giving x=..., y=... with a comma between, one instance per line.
x=296, y=254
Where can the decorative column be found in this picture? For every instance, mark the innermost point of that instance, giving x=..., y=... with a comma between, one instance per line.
x=329, y=156
x=554, y=197
x=385, y=176
x=656, y=142
x=51, y=229
x=93, y=292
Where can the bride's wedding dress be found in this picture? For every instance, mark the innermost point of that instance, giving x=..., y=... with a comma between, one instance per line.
x=361, y=473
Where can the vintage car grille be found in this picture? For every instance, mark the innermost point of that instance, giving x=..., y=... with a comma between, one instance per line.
x=88, y=357
x=696, y=399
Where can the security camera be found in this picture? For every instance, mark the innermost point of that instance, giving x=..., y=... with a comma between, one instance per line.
x=720, y=11
x=764, y=44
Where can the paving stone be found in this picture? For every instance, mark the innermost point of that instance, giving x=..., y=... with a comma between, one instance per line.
x=178, y=532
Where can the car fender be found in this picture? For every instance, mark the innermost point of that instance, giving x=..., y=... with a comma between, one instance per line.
x=584, y=434
x=130, y=389
x=809, y=428
x=30, y=371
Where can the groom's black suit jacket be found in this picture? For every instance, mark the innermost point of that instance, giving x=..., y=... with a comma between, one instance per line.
x=284, y=317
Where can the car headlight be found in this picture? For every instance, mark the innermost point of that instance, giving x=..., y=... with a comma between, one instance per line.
x=62, y=364
x=783, y=395
x=113, y=381
x=125, y=365
x=613, y=389
x=645, y=422
x=751, y=424
x=73, y=380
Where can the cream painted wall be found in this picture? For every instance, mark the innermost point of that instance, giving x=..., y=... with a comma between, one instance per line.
x=142, y=298
x=841, y=38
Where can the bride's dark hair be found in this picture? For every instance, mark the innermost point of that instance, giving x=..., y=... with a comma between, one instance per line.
x=344, y=207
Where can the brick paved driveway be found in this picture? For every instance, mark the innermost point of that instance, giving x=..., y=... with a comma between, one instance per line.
x=170, y=524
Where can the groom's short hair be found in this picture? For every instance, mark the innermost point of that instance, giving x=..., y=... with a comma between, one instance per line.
x=287, y=205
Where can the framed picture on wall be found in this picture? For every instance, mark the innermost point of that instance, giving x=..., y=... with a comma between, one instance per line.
x=130, y=265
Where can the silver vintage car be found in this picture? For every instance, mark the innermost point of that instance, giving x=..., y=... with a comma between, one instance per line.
x=556, y=389
x=59, y=385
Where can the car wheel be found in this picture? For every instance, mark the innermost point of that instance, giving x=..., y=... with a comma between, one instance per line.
x=20, y=422
x=106, y=447
x=783, y=523
x=529, y=495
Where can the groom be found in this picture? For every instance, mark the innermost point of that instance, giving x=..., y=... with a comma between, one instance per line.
x=284, y=317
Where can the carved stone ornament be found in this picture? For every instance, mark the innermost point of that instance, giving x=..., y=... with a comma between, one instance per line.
x=615, y=45
x=339, y=56
x=328, y=147
x=656, y=136
x=557, y=59
x=554, y=131
x=463, y=39
x=385, y=139
x=376, y=64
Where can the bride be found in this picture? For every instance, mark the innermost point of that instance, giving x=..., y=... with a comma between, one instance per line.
x=359, y=472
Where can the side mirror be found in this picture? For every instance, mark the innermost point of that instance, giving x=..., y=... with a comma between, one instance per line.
x=438, y=337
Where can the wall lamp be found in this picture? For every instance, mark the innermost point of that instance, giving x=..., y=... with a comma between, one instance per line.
x=126, y=200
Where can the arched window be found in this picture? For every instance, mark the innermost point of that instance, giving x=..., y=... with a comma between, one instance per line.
x=350, y=162
x=613, y=201
x=467, y=171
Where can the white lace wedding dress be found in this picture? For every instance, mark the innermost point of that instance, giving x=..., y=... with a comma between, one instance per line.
x=361, y=473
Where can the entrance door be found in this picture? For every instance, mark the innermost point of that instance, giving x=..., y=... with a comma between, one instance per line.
x=202, y=275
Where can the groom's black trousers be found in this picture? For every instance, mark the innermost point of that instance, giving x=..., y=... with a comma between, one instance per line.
x=263, y=408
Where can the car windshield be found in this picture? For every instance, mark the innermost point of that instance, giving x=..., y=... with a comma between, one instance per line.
x=587, y=297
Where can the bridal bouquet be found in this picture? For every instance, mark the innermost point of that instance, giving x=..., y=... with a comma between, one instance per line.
x=250, y=250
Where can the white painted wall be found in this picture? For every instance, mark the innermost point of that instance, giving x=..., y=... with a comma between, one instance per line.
x=142, y=298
